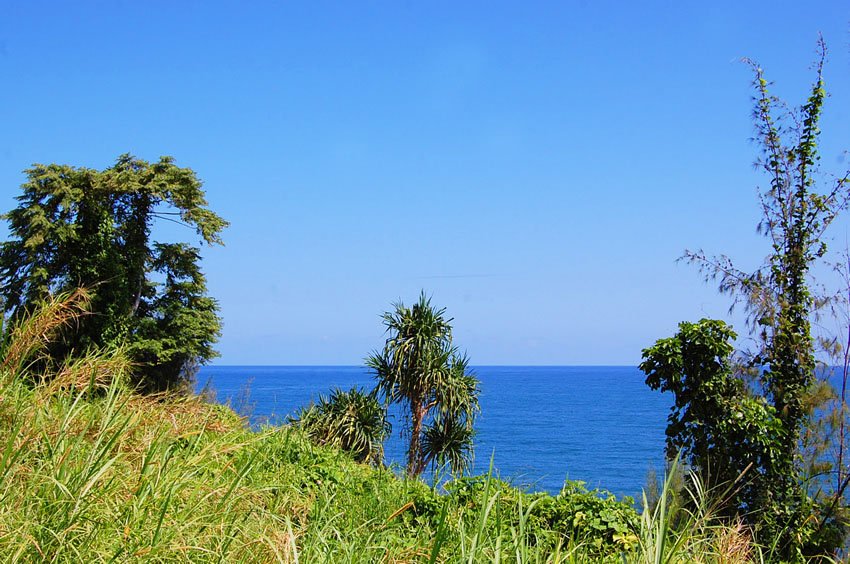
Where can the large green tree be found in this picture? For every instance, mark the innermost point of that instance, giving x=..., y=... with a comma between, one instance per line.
x=78, y=227
x=421, y=369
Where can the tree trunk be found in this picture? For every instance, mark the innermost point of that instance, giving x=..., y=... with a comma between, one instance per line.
x=414, y=452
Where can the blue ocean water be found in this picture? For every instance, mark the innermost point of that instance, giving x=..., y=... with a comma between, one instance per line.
x=540, y=424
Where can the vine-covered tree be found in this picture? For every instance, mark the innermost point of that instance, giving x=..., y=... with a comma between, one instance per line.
x=780, y=305
x=421, y=369
x=80, y=227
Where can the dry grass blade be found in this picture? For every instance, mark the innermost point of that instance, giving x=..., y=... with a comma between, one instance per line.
x=33, y=334
x=733, y=544
x=96, y=371
x=400, y=510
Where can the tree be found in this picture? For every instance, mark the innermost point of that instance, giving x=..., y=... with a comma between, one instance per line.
x=780, y=304
x=352, y=420
x=420, y=369
x=723, y=432
x=79, y=227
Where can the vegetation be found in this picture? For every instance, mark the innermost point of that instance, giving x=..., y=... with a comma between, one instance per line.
x=352, y=420
x=726, y=426
x=420, y=368
x=82, y=227
x=724, y=433
x=92, y=471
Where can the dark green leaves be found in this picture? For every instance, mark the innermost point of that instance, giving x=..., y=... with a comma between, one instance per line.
x=724, y=433
x=780, y=304
x=82, y=227
x=351, y=420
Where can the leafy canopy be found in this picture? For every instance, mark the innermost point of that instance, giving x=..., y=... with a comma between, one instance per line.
x=80, y=227
x=724, y=433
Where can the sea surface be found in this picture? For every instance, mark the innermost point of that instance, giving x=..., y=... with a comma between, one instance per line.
x=540, y=425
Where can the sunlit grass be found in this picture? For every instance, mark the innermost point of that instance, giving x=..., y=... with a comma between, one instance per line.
x=109, y=475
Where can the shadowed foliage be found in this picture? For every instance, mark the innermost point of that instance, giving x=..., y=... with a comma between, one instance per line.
x=734, y=424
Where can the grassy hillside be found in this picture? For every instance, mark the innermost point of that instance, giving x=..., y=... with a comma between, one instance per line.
x=102, y=474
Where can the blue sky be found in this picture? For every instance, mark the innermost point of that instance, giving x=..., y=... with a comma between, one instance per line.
x=537, y=167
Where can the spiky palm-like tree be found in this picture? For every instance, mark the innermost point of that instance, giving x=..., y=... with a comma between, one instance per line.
x=352, y=420
x=420, y=369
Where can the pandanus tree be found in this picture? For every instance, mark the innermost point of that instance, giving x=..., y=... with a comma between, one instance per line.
x=420, y=369
x=353, y=420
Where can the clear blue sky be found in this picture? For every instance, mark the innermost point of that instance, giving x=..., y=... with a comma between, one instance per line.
x=537, y=167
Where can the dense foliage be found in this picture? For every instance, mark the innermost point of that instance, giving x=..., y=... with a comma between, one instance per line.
x=725, y=433
x=352, y=420
x=420, y=368
x=82, y=227
x=596, y=520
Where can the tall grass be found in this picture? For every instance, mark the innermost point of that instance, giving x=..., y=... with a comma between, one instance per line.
x=113, y=476
x=26, y=340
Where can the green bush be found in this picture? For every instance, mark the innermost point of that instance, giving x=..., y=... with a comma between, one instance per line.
x=595, y=520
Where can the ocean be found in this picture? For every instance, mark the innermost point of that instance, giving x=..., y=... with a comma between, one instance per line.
x=540, y=425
